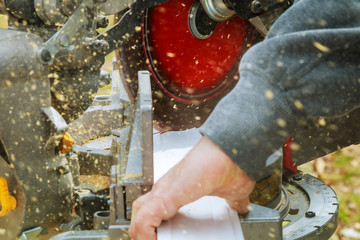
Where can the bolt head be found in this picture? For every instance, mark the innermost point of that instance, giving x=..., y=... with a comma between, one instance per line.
x=45, y=55
x=256, y=7
x=102, y=22
x=297, y=177
x=310, y=214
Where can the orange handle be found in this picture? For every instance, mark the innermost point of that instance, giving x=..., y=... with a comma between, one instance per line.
x=7, y=202
x=67, y=143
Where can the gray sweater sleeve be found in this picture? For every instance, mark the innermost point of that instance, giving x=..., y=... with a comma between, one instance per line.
x=303, y=80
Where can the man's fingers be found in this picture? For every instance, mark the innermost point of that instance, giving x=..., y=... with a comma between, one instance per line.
x=139, y=231
x=137, y=204
x=143, y=225
x=236, y=190
x=140, y=228
x=148, y=212
x=241, y=206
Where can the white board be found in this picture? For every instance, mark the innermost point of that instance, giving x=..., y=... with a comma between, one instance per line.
x=209, y=218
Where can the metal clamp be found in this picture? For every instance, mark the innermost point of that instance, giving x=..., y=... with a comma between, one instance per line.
x=247, y=9
x=83, y=18
x=217, y=10
x=126, y=26
x=308, y=210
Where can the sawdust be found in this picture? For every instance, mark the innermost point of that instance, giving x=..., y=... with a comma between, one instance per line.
x=97, y=181
x=132, y=175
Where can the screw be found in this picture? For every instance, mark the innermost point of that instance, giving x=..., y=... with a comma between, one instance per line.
x=102, y=22
x=310, y=214
x=256, y=7
x=297, y=177
x=45, y=55
x=101, y=46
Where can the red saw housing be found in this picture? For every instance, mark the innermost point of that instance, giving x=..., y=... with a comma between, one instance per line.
x=190, y=75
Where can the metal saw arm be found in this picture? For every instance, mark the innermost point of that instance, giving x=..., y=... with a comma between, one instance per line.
x=129, y=23
x=218, y=10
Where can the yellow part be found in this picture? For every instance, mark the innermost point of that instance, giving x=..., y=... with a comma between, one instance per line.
x=7, y=202
x=67, y=143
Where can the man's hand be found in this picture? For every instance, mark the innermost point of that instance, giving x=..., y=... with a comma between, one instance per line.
x=206, y=170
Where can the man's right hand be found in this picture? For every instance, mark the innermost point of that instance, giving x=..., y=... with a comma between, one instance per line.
x=206, y=170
